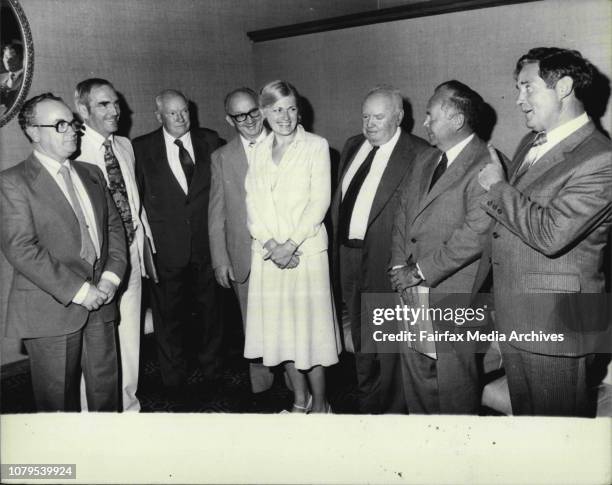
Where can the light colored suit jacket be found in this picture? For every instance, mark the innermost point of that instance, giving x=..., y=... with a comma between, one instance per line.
x=230, y=240
x=548, y=242
x=41, y=239
x=92, y=152
x=444, y=229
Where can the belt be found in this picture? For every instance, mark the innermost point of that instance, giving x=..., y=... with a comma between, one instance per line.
x=353, y=243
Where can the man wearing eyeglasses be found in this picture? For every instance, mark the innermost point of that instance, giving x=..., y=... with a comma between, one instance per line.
x=230, y=240
x=173, y=172
x=63, y=236
x=98, y=105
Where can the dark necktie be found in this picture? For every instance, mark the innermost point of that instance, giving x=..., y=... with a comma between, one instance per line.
x=116, y=187
x=350, y=196
x=440, y=169
x=186, y=161
x=88, y=250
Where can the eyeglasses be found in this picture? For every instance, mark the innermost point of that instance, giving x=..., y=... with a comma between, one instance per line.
x=241, y=117
x=62, y=125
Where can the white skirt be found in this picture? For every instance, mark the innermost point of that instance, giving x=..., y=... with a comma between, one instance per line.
x=290, y=313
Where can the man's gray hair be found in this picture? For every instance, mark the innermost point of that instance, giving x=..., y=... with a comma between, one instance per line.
x=168, y=93
x=392, y=93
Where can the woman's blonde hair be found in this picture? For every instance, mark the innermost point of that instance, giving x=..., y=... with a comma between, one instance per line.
x=275, y=90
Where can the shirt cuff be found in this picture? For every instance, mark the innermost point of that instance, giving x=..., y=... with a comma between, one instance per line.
x=112, y=277
x=81, y=294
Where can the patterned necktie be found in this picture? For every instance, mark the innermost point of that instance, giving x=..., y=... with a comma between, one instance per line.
x=439, y=170
x=186, y=161
x=532, y=154
x=350, y=196
x=88, y=250
x=116, y=186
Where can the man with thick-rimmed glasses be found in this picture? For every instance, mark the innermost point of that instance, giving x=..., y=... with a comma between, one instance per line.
x=230, y=241
x=63, y=237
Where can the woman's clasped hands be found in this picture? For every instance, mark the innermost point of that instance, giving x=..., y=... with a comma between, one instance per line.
x=285, y=255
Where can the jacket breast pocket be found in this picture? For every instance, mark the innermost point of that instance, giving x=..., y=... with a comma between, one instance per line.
x=553, y=282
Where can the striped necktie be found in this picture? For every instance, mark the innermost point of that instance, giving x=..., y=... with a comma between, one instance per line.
x=532, y=154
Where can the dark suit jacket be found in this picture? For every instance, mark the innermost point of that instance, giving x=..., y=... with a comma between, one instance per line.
x=377, y=242
x=444, y=229
x=41, y=239
x=548, y=243
x=179, y=222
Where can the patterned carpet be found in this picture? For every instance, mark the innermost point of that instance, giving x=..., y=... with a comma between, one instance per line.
x=231, y=394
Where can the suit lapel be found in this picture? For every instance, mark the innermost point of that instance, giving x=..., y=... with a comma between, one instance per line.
x=428, y=170
x=159, y=157
x=450, y=176
x=398, y=164
x=520, y=155
x=345, y=163
x=96, y=197
x=238, y=158
x=47, y=187
x=350, y=154
x=554, y=156
x=201, y=151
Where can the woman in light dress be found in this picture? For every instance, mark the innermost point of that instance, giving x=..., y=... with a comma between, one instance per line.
x=290, y=316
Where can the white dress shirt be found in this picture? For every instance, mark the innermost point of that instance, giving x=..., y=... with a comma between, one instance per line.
x=53, y=167
x=555, y=136
x=365, y=198
x=453, y=153
x=249, y=146
x=92, y=151
x=173, y=157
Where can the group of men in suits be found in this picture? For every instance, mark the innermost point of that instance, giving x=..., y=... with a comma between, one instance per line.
x=79, y=240
x=450, y=220
x=442, y=218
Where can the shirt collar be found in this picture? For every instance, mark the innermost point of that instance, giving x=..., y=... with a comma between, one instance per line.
x=186, y=138
x=246, y=142
x=454, y=152
x=559, y=133
x=96, y=138
x=50, y=164
x=388, y=147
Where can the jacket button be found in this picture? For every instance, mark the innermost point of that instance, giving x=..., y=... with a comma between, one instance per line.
x=495, y=235
x=499, y=211
x=413, y=240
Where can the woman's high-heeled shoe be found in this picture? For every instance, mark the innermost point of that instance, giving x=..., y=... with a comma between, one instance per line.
x=303, y=409
x=297, y=409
